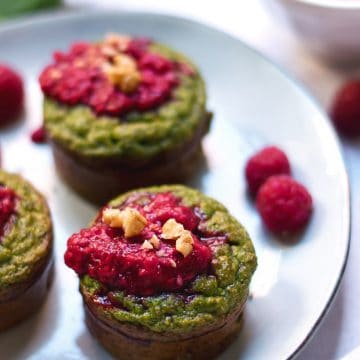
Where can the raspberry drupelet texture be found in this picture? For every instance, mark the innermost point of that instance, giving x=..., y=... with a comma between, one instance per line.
x=284, y=204
x=11, y=95
x=124, y=263
x=269, y=161
x=345, y=112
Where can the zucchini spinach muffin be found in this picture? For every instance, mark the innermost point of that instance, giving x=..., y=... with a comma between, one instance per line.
x=122, y=113
x=164, y=274
x=25, y=249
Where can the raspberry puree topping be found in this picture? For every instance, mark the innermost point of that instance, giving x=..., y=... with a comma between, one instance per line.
x=152, y=261
x=113, y=77
x=7, y=207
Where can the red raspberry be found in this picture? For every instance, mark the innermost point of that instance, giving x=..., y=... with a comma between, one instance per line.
x=11, y=95
x=265, y=163
x=284, y=204
x=345, y=112
x=38, y=136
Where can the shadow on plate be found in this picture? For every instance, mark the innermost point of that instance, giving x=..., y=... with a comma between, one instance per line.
x=90, y=347
x=198, y=179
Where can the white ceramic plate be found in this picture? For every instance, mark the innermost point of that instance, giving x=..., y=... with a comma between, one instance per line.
x=254, y=104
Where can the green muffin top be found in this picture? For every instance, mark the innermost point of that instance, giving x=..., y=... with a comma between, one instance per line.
x=162, y=288
x=25, y=230
x=93, y=110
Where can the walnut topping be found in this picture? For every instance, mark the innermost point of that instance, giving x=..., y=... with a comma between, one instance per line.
x=147, y=245
x=130, y=220
x=112, y=217
x=134, y=222
x=186, y=237
x=161, y=253
x=130, y=82
x=171, y=230
x=172, y=263
x=155, y=241
x=123, y=73
x=184, y=244
x=109, y=51
x=117, y=40
x=125, y=62
x=183, y=248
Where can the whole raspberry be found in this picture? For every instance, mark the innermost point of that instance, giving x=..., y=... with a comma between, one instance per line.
x=265, y=163
x=345, y=112
x=285, y=205
x=38, y=136
x=11, y=95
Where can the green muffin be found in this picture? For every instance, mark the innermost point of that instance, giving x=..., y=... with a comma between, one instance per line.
x=164, y=274
x=123, y=112
x=25, y=249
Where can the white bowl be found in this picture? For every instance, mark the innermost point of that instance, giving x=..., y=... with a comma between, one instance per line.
x=331, y=28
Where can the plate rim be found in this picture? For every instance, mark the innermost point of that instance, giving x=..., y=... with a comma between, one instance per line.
x=66, y=14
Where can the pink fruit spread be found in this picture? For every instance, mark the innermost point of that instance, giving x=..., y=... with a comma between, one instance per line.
x=105, y=254
x=78, y=77
x=7, y=207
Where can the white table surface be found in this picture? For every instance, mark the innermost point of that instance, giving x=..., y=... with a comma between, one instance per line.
x=339, y=332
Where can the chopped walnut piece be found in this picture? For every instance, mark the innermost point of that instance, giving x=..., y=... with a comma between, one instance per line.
x=161, y=253
x=186, y=237
x=109, y=51
x=118, y=40
x=172, y=263
x=112, y=217
x=155, y=241
x=183, y=247
x=125, y=62
x=130, y=82
x=129, y=219
x=133, y=222
x=147, y=245
x=184, y=244
x=125, y=77
x=171, y=230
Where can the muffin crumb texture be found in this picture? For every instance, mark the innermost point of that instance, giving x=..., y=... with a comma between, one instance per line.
x=23, y=246
x=87, y=112
x=191, y=264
